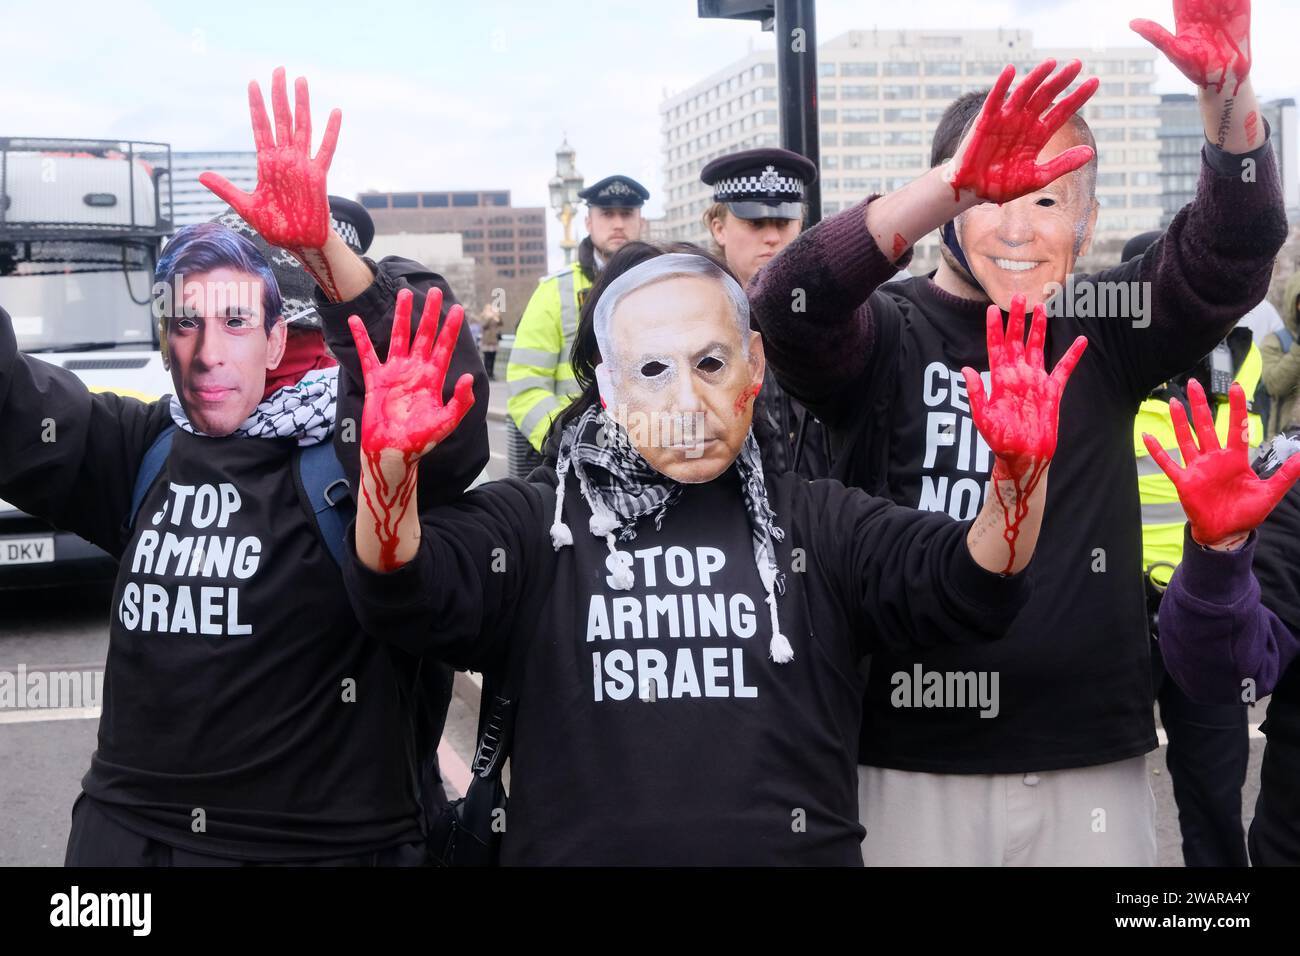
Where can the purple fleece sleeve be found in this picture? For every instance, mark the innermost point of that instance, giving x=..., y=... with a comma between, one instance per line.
x=1215, y=635
x=811, y=302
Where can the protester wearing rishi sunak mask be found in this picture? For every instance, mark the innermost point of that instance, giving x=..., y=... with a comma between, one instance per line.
x=1022, y=783
x=247, y=717
x=685, y=628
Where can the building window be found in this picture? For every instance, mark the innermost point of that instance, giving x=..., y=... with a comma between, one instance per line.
x=434, y=200
x=826, y=92
x=464, y=199
x=861, y=138
x=902, y=92
x=374, y=202
x=902, y=69
x=825, y=69
x=862, y=161
x=405, y=201
x=830, y=139
x=830, y=116
x=473, y=233
x=860, y=116
x=903, y=138
x=497, y=199
x=904, y=160
x=1111, y=180
x=948, y=91
x=860, y=92
x=1107, y=112
x=909, y=114
x=859, y=69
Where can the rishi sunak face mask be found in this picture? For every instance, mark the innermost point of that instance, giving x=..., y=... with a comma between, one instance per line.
x=680, y=366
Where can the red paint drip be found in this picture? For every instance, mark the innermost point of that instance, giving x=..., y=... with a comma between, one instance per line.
x=1011, y=531
x=1252, y=127
x=387, y=512
x=318, y=266
x=900, y=244
x=745, y=397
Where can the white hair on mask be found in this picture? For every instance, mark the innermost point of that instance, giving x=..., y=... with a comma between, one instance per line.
x=668, y=266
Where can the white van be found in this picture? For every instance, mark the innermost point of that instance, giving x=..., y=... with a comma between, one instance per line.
x=81, y=225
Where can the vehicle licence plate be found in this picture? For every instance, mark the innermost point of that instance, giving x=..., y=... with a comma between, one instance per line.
x=26, y=550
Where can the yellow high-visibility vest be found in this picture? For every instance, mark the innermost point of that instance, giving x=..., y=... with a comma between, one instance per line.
x=1162, y=515
x=539, y=375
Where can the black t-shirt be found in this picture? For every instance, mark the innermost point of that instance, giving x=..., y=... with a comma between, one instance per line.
x=1085, y=628
x=245, y=713
x=653, y=728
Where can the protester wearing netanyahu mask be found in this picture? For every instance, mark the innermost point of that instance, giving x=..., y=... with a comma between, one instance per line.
x=685, y=632
x=681, y=366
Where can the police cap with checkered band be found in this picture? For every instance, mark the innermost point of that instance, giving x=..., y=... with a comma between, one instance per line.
x=761, y=183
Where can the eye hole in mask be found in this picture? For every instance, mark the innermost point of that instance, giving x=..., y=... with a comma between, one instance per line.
x=710, y=364
x=653, y=369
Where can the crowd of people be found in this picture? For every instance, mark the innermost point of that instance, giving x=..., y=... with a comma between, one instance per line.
x=804, y=559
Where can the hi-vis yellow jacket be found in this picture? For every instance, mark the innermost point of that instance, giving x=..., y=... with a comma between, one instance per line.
x=539, y=375
x=1162, y=515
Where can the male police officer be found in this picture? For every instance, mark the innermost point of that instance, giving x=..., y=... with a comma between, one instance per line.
x=539, y=376
x=757, y=211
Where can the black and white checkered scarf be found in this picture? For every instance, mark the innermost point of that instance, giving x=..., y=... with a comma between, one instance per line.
x=621, y=487
x=305, y=410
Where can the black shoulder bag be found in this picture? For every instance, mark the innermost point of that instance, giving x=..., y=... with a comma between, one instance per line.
x=468, y=831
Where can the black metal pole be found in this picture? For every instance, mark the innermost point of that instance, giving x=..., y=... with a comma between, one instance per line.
x=796, y=76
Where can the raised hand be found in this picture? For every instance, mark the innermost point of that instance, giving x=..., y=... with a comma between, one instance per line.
x=290, y=205
x=998, y=159
x=1018, y=418
x=1223, y=497
x=403, y=419
x=1212, y=41
x=404, y=411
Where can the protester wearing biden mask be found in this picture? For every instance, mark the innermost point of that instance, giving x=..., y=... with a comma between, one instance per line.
x=247, y=718
x=1011, y=194
x=685, y=628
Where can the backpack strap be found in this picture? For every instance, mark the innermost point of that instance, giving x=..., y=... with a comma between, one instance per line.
x=1285, y=338
x=327, y=494
x=150, y=467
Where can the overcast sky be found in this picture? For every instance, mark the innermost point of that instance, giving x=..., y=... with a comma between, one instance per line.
x=469, y=95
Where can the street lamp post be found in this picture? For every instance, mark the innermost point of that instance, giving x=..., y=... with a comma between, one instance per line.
x=564, y=188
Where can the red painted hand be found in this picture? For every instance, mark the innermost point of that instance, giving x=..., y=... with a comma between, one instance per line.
x=1224, y=499
x=290, y=206
x=998, y=159
x=404, y=416
x=1019, y=417
x=404, y=411
x=1213, y=40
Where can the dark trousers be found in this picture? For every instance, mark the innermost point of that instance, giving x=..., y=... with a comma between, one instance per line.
x=1209, y=748
x=489, y=363
x=96, y=839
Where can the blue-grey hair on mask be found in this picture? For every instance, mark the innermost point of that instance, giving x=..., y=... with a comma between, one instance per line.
x=668, y=266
